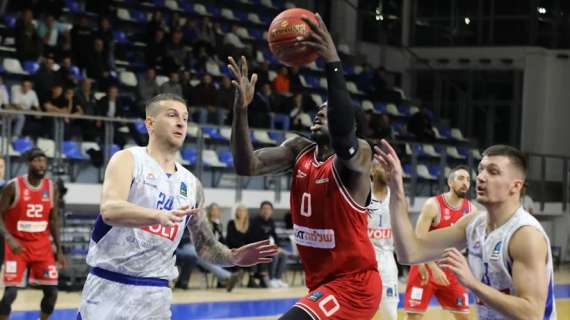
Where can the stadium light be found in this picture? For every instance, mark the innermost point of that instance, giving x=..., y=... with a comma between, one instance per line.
x=541, y=10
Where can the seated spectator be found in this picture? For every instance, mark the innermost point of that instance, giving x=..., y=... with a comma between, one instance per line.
x=65, y=74
x=46, y=78
x=28, y=44
x=73, y=127
x=4, y=96
x=224, y=103
x=105, y=33
x=238, y=234
x=263, y=228
x=173, y=85
x=380, y=127
x=175, y=55
x=420, y=125
x=81, y=42
x=98, y=65
x=25, y=98
x=261, y=107
x=156, y=50
x=262, y=74
x=147, y=88
x=51, y=34
x=214, y=217
x=155, y=23
x=112, y=107
x=86, y=97
x=282, y=83
x=57, y=102
x=204, y=96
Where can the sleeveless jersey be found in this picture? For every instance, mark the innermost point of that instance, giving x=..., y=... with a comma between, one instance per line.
x=330, y=227
x=28, y=217
x=489, y=259
x=379, y=227
x=449, y=215
x=147, y=251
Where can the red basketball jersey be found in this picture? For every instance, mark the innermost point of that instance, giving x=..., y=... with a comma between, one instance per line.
x=28, y=217
x=330, y=227
x=449, y=215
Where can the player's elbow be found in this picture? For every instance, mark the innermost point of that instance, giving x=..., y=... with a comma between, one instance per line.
x=107, y=213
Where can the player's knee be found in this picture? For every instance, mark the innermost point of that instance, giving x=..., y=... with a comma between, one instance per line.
x=50, y=297
x=10, y=294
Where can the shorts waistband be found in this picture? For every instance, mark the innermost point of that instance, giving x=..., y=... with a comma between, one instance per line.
x=126, y=279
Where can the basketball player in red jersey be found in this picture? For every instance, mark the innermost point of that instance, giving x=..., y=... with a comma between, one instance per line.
x=29, y=216
x=428, y=279
x=329, y=193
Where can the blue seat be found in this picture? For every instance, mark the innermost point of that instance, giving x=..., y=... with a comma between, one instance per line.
x=226, y=157
x=213, y=10
x=139, y=16
x=186, y=6
x=256, y=33
x=72, y=150
x=114, y=149
x=435, y=170
x=31, y=66
x=463, y=151
x=312, y=81
x=141, y=128
x=10, y=21
x=22, y=145
x=408, y=169
x=445, y=132
x=120, y=37
x=76, y=73
x=241, y=16
x=277, y=136
x=214, y=133
x=72, y=6
x=380, y=107
x=190, y=154
x=405, y=110
x=159, y=3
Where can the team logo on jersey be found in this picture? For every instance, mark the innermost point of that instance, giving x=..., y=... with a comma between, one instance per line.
x=183, y=189
x=315, y=238
x=389, y=292
x=26, y=195
x=321, y=181
x=150, y=176
x=446, y=214
x=315, y=296
x=45, y=195
x=301, y=174
x=496, y=251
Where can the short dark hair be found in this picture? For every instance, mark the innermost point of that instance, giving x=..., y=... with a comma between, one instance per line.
x=517, y=157
x=33, y=153
x=457, y=168
x=155, y=101
x=266, y=202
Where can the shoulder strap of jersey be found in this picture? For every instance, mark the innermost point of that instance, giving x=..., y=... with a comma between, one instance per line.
x=310, y=148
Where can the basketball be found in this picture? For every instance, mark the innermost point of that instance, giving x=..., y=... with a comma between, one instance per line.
x=282, y=34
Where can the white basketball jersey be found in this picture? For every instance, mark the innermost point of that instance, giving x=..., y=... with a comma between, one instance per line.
x=379, y=227
x=490, y=262
x=148, y=251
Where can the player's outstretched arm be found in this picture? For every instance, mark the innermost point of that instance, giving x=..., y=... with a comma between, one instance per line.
x=6, y=200
x=117, y=211
x=410, y=248
x=266, y=160
x=213, y=251
x=528, y=251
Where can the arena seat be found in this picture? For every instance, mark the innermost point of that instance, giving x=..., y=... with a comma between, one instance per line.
x=190, y=155
x=226, y=157
x=210, y=159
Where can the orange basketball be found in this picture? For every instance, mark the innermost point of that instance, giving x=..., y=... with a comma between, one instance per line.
x=282, y=34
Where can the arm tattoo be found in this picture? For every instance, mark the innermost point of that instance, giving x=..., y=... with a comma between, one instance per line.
x=207, y=246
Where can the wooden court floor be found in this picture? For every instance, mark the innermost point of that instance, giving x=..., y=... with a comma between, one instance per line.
x=29, y=299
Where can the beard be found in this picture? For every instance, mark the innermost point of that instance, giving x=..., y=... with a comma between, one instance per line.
x=321, y=138
x=460, y=194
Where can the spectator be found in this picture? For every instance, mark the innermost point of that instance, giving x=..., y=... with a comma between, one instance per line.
x=380, y=127
x=206, y=37
x=262, y=74
x=46, y=78
x=26, y=38
x=146, y=89
x=365, y=82
x=4, y=96
x=238, y=235
x=300, y=119
x=176, y=56
x=156, y=23
x=65, y=73
x=420, y=125
x=50, y=33
x=282, y=83
x=295, y=85
x=98, y=66
x=214, y=216
x=205, y=93
x=73, y=127
x=111, y=106
x=156, y=50
x=263, y=228
x=25, y=98
x=86, y=97
x=225, y=100
x=172, y=85
x=105, y=33
x=81, y=42
x=57, y=103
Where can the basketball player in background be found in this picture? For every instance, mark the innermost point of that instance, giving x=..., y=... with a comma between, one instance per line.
x=329, y=194
x=509, y=267
x=147, y=200
x=426, y=280
x=29, y=215
x=380, y=233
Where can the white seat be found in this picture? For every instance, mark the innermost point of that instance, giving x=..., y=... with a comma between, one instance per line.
x=317, y=98
x=313, y=66
x=323, y=83
x=272, y=75
x=447, y=171
x=344, y=48
x=423, y=172
x=456, y=134
x=408, y=149
x=193, y=130
x=201, y=9
x=226, y=132
x=11, y=151
x=259, y=56
x=430, y=150
x=213, y=68
x=210, y=158
x=253, y=17
x=476, y=154
x=263, y=136
x=267, y=3
x=160, y=80
x=436, y=133
x=392, y=109
x=367, y=105
x=88, y=145
x=243, y=33
x=194, y=82
x=128, y=78
x=123, y=14
x=414, y=109
x=98, y=95
x=13, y=66
x=303, y=81
x=351, y=87
x=171, y=4
x=357, y=69
x=452, y=152
x=48, y=146
x=228, y=14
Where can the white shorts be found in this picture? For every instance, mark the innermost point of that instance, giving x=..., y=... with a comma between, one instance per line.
x=109, y=300
x=390, y=295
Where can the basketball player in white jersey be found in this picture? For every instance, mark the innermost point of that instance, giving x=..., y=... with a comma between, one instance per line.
x=510, y=263
x=147, y=200
x=380, y=233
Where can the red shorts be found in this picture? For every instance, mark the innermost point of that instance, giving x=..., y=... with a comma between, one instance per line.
x=356, y=296
x=37, y=257
x=453, y=297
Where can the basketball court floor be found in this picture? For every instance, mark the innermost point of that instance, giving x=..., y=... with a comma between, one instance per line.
x=242, y=303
